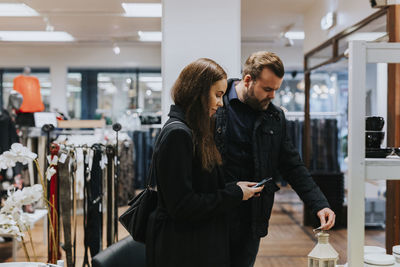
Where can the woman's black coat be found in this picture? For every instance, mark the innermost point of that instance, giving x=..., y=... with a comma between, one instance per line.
x=189, y=227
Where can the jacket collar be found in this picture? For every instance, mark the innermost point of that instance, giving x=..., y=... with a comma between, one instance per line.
x=177, y=112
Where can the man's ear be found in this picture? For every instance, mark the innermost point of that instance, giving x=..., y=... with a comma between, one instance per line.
x=247, y=80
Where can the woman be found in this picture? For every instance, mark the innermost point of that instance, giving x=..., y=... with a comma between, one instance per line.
x=189, y=226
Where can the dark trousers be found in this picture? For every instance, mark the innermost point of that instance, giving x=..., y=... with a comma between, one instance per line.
x=243, y=248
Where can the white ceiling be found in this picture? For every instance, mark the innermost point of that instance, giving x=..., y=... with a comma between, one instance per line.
x=103, y=21
x=264, y=20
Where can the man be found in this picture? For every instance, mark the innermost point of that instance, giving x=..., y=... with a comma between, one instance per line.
x=251, y=136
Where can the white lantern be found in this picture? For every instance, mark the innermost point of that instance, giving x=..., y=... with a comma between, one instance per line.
x=323, y=254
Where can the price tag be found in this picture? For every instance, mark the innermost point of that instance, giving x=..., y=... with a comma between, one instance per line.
x=63, y=157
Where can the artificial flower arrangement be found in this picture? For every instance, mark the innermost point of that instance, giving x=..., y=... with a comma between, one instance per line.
x=13, y=220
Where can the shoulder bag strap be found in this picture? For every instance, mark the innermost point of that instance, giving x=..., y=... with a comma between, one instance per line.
x=160, y=139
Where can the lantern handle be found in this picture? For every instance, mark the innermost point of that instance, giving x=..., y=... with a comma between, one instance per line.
x=318, y=229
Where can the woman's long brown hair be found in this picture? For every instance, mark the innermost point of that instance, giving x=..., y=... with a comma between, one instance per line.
x=191, y=91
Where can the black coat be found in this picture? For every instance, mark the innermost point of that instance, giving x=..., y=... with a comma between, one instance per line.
x=189, y=226
x=273, y=154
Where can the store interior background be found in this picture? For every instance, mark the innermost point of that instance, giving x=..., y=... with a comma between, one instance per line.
x=87, y=79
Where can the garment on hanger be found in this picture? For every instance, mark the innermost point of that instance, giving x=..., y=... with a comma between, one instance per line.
x=126, y=177
x=110, y=195
x=66, y=206
x=29, y=88
x=54, y=251
x=8, y=132
x=86, y=207
x=95, y=210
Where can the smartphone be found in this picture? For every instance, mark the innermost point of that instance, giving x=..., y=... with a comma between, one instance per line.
x=263, y=182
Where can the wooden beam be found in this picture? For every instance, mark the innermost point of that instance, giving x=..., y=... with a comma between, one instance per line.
x=347, y=32
x=393, y=133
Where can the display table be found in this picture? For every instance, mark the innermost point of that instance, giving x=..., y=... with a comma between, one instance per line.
x=34, y=217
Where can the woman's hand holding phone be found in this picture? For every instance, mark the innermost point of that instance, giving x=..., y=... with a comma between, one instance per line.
x=248, y=190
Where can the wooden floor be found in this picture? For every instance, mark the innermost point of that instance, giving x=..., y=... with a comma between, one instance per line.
x=287, y=243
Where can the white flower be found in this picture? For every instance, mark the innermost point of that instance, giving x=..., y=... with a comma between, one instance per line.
x=9, y=226
x=50, y=172
x=37, y=192
x=17, y=153
x=24, y=222
x=6, y=160
x=22, y=151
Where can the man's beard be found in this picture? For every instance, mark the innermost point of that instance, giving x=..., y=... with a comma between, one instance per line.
x=250, y=99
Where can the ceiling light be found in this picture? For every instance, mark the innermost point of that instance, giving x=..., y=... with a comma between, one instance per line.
x=150, y=79
x=116, y=49
x=366, y=36
x=151, y=10
x=295, y=35
x=156, y=86
x=150, y=36
x=16, y=10
x=35, y=36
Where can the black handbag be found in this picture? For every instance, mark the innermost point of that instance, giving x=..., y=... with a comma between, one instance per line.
x=135, y=219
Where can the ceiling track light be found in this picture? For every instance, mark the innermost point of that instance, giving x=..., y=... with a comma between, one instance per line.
x=49, y=27
x=288, y=42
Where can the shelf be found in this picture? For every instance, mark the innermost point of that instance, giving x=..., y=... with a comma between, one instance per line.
x=359, y=168
x=382, y=169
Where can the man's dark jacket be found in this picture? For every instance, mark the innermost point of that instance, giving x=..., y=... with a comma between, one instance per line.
x=273, y=153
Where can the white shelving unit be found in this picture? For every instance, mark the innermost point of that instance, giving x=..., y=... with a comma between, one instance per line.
x=361, y=169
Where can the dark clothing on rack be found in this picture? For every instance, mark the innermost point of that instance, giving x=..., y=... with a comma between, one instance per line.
x=325, y=145
x=8, y=136
x=8, y=133
x=66, y=208
x=127, y=173
x=189, y=227
x=143, y=149
x=25, y=119
x=95, y=214
x=272, y=154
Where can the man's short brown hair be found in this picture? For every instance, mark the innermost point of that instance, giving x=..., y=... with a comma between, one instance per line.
x=257, y=61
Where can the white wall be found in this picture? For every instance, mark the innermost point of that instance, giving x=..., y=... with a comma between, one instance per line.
x=349, y=12
x=193, y=29
x=60, y=57
x=292, y=57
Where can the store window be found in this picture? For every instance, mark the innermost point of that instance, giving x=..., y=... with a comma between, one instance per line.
x=150, y=86
x=328, y=114
x=74, y=95
x=44, y=80
x=115, y=94
x=291, y=94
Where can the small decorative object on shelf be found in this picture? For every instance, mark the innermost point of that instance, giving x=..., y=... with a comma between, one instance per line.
x=323, y=254
x=396, y=254
x=377, y=260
